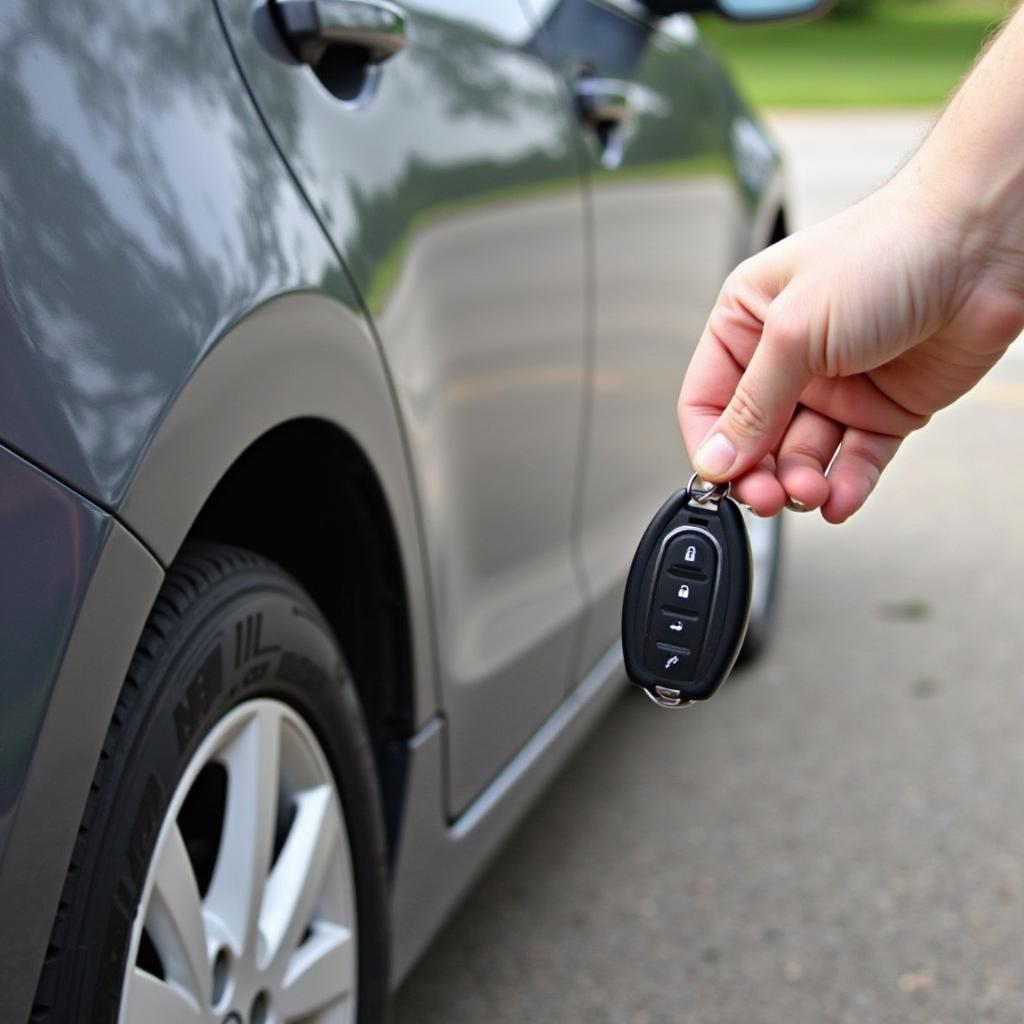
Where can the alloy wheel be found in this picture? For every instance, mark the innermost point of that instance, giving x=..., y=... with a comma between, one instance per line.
x=248, y=910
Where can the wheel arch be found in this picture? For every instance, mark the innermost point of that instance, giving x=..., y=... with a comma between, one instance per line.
x=305, y=496
x=286, y=439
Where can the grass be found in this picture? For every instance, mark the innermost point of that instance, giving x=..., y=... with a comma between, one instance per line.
x=904, y=54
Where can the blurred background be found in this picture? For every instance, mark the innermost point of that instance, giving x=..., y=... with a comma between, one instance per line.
x=867, y=53
x=837, y=837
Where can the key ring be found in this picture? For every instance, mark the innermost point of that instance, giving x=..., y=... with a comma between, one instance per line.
x=709, y=493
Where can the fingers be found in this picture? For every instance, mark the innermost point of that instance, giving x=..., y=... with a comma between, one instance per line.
x=856, y=470
x=730, y=338
x=760, y=489
x=806, y=450
x=756, y=403
x=859, y=402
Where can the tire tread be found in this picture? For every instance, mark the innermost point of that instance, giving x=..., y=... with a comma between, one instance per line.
x=195, y=573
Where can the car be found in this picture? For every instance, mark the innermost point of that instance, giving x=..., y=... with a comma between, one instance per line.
x=341, y=343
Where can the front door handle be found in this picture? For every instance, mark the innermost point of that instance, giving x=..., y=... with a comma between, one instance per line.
x=376, y=28
x=603, y=106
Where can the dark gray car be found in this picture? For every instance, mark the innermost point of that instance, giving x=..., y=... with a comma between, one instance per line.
x=340, y=346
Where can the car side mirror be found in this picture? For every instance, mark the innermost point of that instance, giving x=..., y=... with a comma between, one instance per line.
x=742, y=10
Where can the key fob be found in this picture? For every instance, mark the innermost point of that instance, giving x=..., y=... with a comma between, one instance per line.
x=687, y=600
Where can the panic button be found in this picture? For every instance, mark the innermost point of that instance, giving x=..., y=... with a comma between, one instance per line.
x=691, y=553
x=671, y=663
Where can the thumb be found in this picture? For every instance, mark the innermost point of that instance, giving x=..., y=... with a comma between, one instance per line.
x=762, y=405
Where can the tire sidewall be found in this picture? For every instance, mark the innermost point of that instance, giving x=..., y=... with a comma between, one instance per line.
x=253, y=635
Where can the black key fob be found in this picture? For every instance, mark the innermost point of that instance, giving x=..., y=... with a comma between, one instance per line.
x=687, y=601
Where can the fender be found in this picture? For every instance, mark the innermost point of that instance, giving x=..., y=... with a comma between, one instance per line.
x=298, y=355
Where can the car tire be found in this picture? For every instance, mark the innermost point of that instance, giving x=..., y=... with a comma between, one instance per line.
x=232, y=846
x=766, y=549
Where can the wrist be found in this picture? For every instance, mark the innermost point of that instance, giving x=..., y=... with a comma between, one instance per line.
x=971, y=210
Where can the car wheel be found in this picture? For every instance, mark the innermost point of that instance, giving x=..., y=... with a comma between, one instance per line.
x=230, y=864
x=766, y=552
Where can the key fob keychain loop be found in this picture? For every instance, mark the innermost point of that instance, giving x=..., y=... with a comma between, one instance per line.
x=687, y=599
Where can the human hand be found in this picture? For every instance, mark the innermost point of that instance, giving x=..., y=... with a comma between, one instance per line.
x=845, y=338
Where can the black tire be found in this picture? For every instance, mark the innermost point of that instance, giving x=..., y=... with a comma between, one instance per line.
x=762, y=622
x=166, y=707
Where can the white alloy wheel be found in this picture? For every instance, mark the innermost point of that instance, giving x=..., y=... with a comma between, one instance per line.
x=265, y=932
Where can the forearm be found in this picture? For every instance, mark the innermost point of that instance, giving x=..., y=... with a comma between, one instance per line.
x=972, y=163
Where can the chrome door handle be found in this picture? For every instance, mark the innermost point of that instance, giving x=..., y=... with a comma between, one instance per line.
x=602, y=102
x=311, y=27
x=603, y=106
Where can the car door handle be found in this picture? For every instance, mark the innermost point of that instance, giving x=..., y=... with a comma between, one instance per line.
x=311, y=27
x=603, y=106
x=602, y=103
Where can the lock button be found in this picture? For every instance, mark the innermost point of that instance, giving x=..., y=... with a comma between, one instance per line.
x=691, y=555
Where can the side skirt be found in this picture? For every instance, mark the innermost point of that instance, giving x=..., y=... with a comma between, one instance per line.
x=437, y=860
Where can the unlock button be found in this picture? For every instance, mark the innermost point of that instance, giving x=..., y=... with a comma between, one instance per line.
x=687, y=594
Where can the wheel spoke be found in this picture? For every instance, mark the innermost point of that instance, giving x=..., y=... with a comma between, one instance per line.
x=320, y=972
x=148, y=1000
x=298, y=876
x=174, y=918
x=252, y=760
x=284, y=927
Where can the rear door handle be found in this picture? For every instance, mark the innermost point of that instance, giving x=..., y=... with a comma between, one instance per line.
x=311, y=27
x=603, y=106
x=602, y=101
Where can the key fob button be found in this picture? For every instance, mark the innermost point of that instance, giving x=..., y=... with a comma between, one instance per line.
x=684, y=595
x=678, y=629
x=691, y=554
x=673, y=664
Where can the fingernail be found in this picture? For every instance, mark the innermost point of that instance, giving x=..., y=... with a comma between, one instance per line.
x=796, y=505
x=715, y=456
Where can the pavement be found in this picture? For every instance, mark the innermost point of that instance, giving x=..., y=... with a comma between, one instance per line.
x=837, y=836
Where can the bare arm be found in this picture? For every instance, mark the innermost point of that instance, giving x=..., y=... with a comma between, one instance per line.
x=851, y=334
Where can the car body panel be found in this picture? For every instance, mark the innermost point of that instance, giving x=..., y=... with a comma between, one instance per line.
x=144, y=209
x=75, y=592
x=454, y=196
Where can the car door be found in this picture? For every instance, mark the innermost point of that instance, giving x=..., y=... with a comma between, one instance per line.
x=669, y=220
x=448, y=179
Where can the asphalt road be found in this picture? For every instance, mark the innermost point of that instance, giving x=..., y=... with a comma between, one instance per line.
x=838, y=836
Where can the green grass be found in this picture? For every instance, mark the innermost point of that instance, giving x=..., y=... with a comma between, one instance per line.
x=906, y=54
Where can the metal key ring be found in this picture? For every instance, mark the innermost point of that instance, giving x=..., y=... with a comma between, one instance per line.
x=712, y=493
